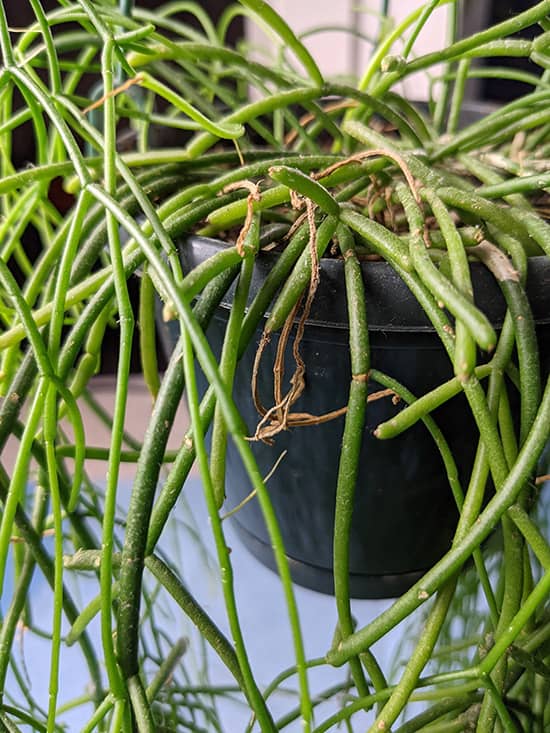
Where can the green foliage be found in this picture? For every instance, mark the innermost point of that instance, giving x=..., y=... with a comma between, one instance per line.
x=267, y=154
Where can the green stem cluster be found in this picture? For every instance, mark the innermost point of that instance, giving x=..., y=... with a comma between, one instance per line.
x=427, y=202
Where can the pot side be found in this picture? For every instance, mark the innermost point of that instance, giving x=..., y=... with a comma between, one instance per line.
x=404, y=514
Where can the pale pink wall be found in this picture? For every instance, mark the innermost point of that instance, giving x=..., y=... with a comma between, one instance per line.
x=339, y=53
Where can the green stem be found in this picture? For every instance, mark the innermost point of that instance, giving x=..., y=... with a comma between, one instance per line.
x=44, y=562
x=20, y=594
x=173, y=484
x=424, y=405
x=140, y=705
x=532, y=534
x=418, y=660
x=352, y=439
x=53, y=61
x=461, y=76
x=461, y=706
x=19, y=476
x=442, y=104
x=520, y=184
x=50, y=430
x=524, y=328
x=225, y=130
x=166, y=668
x=229, y=356
x=250, y=688
x=468, y=506
x=147, y=333
x=444, y=291
x=139, y=511
x=43, y=98
x=283, y=30
x=297, y=181
x=495, y=33
x=5, y=41
x=512, y=486
x=465, y=349
x=384, y=47
x=197, y=614
x=126, y=321
x=300, y=277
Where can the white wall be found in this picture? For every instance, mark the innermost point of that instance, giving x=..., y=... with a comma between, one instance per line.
x=340, y=53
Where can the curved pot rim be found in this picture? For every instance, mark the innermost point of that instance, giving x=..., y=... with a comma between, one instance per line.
x=391, y=306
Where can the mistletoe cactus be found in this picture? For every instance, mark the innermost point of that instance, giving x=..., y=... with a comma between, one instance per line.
x=270, y=155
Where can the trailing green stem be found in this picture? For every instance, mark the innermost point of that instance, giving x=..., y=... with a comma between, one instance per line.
x=118, y=684
x=196, y=613
x=139, y=510
x=229, y=355
x=419, y=658
x=454, y=559
x=352, y=439
x=250, y=688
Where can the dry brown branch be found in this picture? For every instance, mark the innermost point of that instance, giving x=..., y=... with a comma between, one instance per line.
x=113, y=93
x=309, y=117
x=253, y=196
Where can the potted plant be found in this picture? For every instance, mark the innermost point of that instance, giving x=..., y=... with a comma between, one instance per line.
x=349, y=223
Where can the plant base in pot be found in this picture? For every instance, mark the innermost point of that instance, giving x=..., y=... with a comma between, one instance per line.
x=405, y=514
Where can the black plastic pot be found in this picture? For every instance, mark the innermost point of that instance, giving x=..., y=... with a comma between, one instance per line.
x=404, y=515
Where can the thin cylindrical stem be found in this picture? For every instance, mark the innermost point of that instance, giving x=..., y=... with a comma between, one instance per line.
x=510, y=489
x=352, y=440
